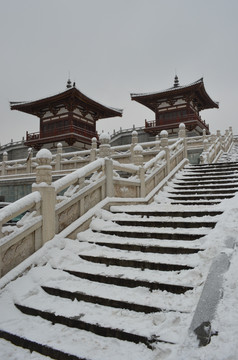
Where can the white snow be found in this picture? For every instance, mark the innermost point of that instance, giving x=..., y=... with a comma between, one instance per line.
x=45, y=268
x=44, y=153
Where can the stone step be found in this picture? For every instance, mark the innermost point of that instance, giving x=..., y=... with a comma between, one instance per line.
x=200, y=177
x=197, y=203
x=204, y=192
x=172, y=213
x=148, y=248
x=215, y=165
x=211, y=175
x=135, y=263
x=209, y=187
x=226, y=170
x=155, y=235
x=76, y=322
x=201, y=182
x=38, y=347
x=119, y=304
x=202, y=197
x=168, y=223
x=131, y=283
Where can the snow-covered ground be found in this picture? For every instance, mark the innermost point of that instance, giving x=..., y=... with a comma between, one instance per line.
x=46, y=269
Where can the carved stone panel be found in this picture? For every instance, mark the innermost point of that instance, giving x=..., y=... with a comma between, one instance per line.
x=68, y=216
x=15, y=254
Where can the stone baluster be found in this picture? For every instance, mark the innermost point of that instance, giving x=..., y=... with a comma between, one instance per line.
x=157, y=144
x=138, y=155
x=205, y=145
x=47, y=191
x=142, y=182
x=58, y=157
x=29, y=161
x=4, y=160
x=182, y=131
x=230, y=129
x=204, y=134
x=134, y=141
x=182, y=135
x=93, y=151
x=164, y=145
x=202, y=160
x=105, y=147
x=213, y=138
x=218, y=133
x=109, y=177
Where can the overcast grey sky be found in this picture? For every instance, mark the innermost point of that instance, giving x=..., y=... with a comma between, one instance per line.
x=112, y=48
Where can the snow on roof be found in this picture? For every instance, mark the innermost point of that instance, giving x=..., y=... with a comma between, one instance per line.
x=169, y=89
x=16, y=103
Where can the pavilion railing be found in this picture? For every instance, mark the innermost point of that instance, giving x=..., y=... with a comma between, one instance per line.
x=61, y=131
x=173, y=122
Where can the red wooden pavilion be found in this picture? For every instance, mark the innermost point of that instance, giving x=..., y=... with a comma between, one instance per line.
x=69, y=117
x=175, y=105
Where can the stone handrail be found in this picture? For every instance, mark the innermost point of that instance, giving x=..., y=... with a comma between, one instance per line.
x=16, y=246
x=217, y=145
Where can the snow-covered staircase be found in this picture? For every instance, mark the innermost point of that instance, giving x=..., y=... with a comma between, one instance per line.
x=128, y=288
x=205, y=184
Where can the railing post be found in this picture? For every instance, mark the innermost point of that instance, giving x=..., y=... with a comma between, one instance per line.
x=157, y=144
x=142, y=181
x=138, y=156
x=47, y=191
x=182, y=135
x=105, y=147
x=109, y=177
x=58, y=157
x=4, y=160
x=213, y=138
x=28, y=161
x=167, y=159
x=205, y=145
x=93, y=151
x=218, y=133
x=134, y=141
x=164, y=144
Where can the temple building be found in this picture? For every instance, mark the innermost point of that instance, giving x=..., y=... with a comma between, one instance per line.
x=68, y=117
x=175, y=105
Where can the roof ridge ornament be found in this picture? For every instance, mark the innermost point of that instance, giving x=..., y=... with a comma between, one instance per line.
x=69, y=84
x=176, y=81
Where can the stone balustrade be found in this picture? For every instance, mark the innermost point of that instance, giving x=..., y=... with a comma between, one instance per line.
x=53, y=206
x=213, y=149
x=62, y=163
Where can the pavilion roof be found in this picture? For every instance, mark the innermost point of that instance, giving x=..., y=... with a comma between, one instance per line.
x=70, y=95
x=195, y=89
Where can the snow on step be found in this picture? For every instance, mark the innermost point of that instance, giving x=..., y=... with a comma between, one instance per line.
x=150, y=245
x=139, y=295
x=100, y=225
x=137, y=323
x=95, y=250
x=79, y=342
